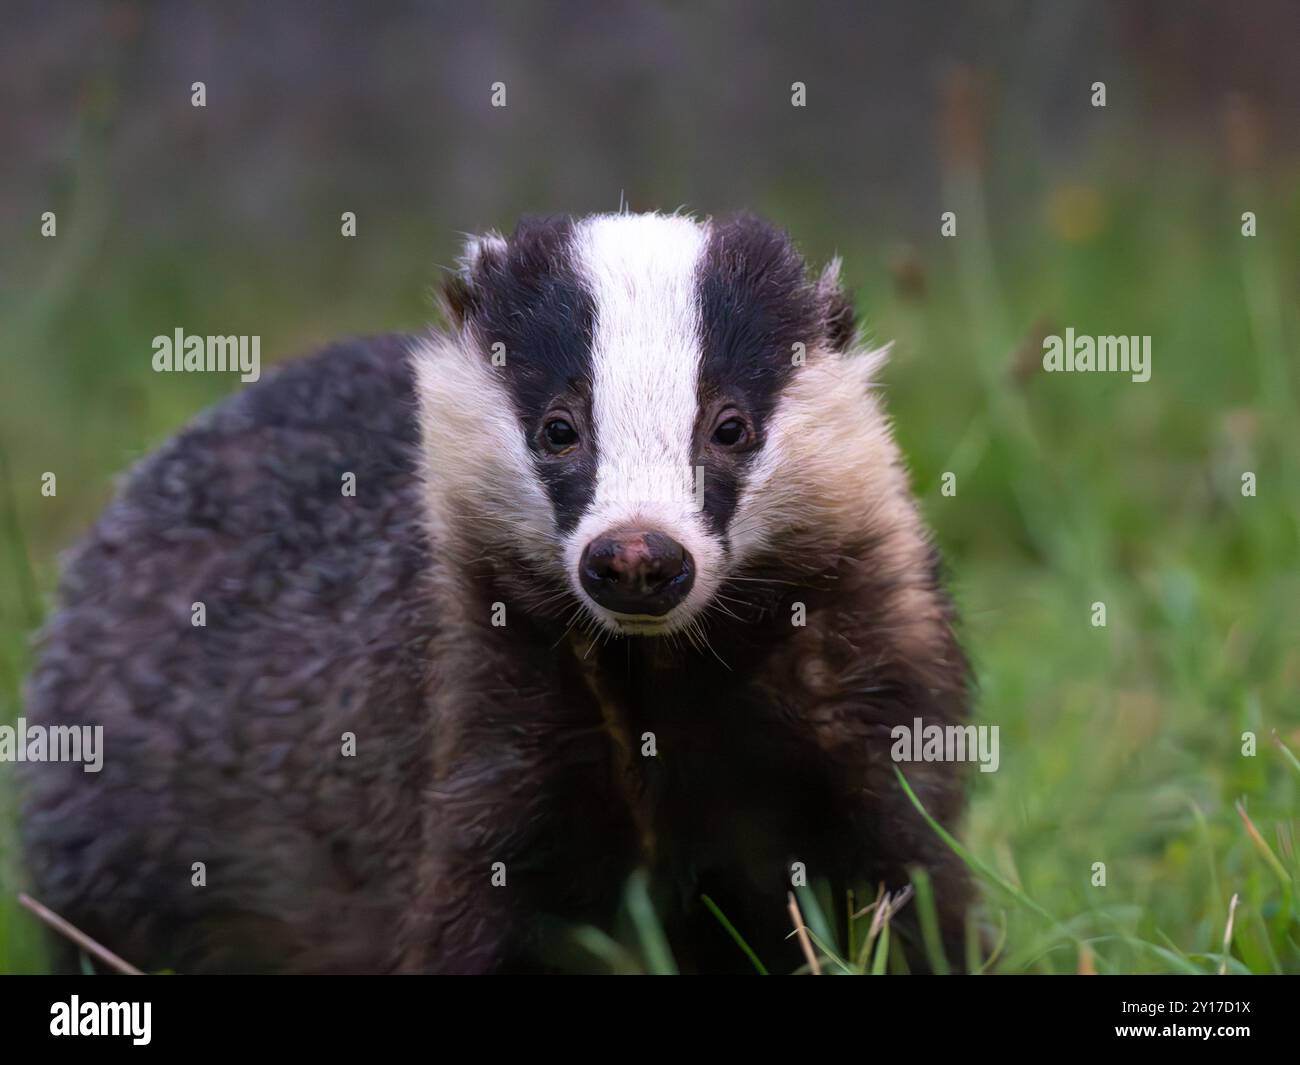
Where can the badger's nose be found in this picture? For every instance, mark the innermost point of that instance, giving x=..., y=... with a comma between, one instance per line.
x=636, y=572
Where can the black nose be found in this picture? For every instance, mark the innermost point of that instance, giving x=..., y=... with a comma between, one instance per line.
x=636, y=572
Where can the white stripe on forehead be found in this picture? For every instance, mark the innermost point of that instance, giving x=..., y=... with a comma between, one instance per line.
x=641, y=271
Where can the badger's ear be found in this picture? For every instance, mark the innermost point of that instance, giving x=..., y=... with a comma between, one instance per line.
x=838, y=315
x=461, y=291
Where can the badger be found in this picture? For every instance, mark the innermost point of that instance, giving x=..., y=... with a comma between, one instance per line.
x=616, y=575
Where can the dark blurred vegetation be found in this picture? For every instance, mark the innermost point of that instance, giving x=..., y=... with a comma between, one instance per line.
x=1119, y=745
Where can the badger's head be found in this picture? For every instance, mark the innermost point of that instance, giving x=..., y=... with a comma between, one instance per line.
x=630, y=410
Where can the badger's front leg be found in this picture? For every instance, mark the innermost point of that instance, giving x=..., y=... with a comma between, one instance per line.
x=898, y=841
x=524, y=838
x=850, y=683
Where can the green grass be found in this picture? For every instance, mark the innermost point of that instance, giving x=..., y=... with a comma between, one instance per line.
x=1119, y=745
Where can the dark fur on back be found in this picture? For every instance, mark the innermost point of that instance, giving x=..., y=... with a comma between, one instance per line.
x=222, y=744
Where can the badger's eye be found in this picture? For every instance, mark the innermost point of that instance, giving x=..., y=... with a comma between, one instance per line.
x=559, y=435
x=731, y=432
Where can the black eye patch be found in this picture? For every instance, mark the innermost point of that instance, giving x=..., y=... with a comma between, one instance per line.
x=756, y=304
x=527, y=297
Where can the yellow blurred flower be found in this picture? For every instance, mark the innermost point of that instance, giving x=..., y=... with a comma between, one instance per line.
x=1076, y=213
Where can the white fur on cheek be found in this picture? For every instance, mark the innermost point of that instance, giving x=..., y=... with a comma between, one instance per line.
x=641, y=270
x=830, y=465
x=473, y=454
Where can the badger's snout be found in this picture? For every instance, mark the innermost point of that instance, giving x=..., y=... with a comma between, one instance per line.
x=636, y=572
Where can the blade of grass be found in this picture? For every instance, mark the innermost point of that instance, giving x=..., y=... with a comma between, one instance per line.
x=604, y=949
x=1203, y=828
x=829, y=951
x=998, y=947
x=929, y=919
x=1290, y=755
x=882, y=951
x=1261, y=845
x=712, y=907
x=973, y=862
x=654, y=944
x=814, y=915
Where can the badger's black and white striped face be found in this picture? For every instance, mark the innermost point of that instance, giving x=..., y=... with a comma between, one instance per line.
x=634, y=406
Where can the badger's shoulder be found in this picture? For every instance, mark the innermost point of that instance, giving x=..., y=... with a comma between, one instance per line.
x=321, y=451
x=359, y=385
x=346, y=409
x=294, y=502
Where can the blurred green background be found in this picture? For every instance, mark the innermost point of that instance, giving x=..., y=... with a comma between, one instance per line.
x=1120, y=744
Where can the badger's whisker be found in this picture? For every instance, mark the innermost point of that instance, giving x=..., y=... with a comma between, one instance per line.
x=715, y=605
x=576, y=614
x=764, y=580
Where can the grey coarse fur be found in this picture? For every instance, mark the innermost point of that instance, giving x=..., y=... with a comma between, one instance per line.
x=222, y=743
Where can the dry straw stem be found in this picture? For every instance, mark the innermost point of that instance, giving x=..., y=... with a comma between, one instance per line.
x=78, y=936
x=802, y=932
x=1227, y=934
x=1261, y=845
